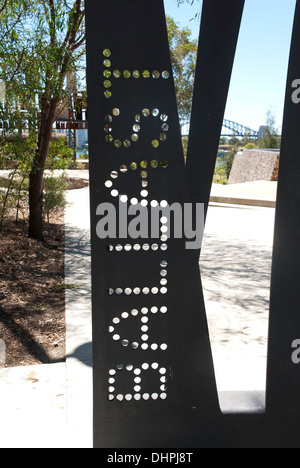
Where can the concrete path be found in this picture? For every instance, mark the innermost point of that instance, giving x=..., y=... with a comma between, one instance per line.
x=236, y=269
x=50, y=406
x=259, y=193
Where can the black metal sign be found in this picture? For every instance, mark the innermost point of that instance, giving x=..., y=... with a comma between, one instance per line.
x=154, y=383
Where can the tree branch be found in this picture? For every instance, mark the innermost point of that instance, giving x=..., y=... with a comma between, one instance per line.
x=53, y=22
x=3, y=6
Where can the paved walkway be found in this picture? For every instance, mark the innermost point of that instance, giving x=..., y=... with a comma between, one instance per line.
x=50, y=406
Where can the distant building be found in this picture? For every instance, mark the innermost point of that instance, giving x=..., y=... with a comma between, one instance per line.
x=82, y=138
x=261, y=130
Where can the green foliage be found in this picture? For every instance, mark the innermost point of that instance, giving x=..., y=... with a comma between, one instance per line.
x=184, y=57
x=189, y=2
x=41, y=44
x=54, y=193
x=17, y=156
x=251, y=146
x=223, y=167
x=60, y=156
x=270, y=138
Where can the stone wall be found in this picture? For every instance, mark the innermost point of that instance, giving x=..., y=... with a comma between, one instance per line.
x=254, y=165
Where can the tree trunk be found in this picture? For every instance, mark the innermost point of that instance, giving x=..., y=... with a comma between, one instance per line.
x=37, y=173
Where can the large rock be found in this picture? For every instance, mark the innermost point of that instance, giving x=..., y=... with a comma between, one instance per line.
x=252, y=165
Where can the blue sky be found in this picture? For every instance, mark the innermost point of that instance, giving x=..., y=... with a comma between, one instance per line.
x=260, y=69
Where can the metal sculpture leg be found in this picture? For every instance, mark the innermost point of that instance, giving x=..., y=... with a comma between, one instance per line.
x=153, y=371
x=283, y=390
x=154, y=383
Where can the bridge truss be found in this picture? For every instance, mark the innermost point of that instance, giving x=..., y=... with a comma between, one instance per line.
x=235, y=129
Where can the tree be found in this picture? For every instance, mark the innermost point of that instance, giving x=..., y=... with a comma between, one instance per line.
x=184, y=57
x=45, y=43
x=270, y=138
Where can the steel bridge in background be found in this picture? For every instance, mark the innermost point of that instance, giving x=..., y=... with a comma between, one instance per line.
x=235, y=129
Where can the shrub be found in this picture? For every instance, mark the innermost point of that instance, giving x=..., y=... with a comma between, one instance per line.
x=54, y=194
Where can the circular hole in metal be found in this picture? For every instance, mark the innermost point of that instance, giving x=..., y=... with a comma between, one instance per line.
x=126, y=143
x=114, y=193
x=124, y=198
x=107, y=84
x=109, y=138
x=164, y=117
x=118, y=143
x=107, y=53
x=135, y=137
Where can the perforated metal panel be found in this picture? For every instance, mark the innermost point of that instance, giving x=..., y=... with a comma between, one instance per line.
x=154, y=383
